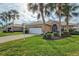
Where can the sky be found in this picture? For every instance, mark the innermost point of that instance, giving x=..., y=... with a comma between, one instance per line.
x=25, y=15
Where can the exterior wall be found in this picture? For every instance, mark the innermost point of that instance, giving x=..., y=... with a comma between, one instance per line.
x=35, y=26
x=47, y=28
x=70, y=26
x=13, y=28
x=17, y=29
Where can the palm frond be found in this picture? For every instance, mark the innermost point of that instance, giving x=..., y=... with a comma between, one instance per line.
x=0, y=23
x=32, y=7
x=75, y=8
x=13, y=14
x=38, y=16
x=75, y=14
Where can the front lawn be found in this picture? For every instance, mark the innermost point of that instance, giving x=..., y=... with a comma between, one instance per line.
x=9, y=33
x=37, y=46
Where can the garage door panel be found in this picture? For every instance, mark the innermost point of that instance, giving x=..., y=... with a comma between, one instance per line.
x=35, y=30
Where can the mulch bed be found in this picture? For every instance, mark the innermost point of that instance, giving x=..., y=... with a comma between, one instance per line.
x=55, y=38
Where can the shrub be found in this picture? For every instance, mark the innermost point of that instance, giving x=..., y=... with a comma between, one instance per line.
x=71, y=30
x=56, y=34
x=75, y=33
x=66, y=34
x=26, y=31
x=47, y=35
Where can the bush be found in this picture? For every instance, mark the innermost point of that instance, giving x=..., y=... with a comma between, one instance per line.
x=26, y=31
x=66, y=34
x=75, y=33
x=71, y=30
x=47, y=35
x=56, y=34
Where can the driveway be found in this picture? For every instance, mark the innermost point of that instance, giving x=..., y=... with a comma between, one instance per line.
x=14, y=37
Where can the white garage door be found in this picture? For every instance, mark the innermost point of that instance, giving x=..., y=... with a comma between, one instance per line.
x=35, y=30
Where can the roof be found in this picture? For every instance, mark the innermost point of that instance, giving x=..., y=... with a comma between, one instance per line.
x=37, y=22
x=62, y=23
x=49, y=23
x=15, y=25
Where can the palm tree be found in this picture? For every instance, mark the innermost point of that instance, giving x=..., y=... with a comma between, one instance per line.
x=4, y=17
x=64, y=9
x=68, y=13
x=59, y=12
x=56, y=7
x=1, y=23
x=13, y=14
x=41, y=9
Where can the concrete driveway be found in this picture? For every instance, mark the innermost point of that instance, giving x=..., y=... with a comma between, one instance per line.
x=14, y=37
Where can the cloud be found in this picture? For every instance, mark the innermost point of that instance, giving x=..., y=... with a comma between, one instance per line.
x=25, y=15
x=22, y=8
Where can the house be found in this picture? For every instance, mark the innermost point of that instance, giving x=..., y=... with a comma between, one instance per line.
x=76, y=27
x=15, y=27
x=38, y=27
x=50, y=26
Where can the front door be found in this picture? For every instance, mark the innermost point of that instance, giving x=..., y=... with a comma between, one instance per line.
x=54, y=28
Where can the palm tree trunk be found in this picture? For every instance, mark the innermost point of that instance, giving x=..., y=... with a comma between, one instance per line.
x=67, y=24
x=13, y=26
x=6, y=27
x=60, y=26
x=43, y=22
x=59, y=12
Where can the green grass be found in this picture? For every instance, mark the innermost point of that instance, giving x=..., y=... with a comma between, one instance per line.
x=9, y=33
x=36, y=46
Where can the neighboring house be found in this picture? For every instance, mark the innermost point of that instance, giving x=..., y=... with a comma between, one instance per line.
x=76, y=27
x=50, y=26
x=15, y=27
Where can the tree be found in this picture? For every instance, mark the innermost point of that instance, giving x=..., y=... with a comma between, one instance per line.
x=41, y=9
x=13, y=15
x=64, y=9
x=59, y=12
x=4, y=18
x=56, y=7
x=68, y=11
x=7, y=16
x=1, y=25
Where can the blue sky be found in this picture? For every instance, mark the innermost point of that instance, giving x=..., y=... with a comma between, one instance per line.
x=25, y=16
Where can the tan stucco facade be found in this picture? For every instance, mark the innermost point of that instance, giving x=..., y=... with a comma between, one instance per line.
x=45, y=28
x=48, y=26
